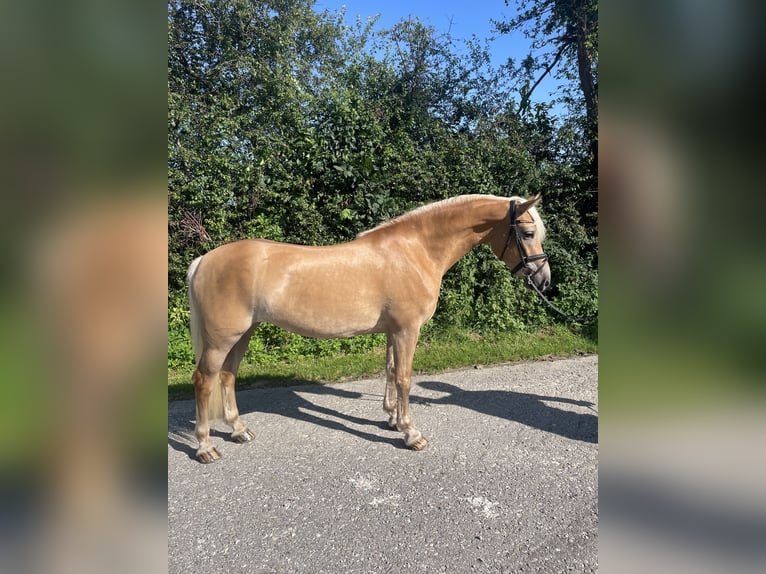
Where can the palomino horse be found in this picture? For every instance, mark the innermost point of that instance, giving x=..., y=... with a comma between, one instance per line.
x=385, y=281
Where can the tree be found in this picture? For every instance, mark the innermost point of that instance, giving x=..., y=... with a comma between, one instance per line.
x=241, y=74
x=285, y=124
x=564, y=36
x=564, y=45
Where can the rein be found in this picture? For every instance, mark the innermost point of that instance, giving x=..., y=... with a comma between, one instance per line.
x=514, y=231
x=581, y=319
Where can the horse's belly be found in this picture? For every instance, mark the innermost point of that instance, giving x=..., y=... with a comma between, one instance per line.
x=324, y=313
x=324, y=324
x=340, y=294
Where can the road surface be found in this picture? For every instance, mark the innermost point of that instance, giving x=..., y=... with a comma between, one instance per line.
x=508, y=483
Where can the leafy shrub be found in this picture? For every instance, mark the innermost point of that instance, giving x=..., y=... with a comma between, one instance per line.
x=308, y=131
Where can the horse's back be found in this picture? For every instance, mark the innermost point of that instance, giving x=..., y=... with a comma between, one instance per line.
x=316, y=291
x=331, y=291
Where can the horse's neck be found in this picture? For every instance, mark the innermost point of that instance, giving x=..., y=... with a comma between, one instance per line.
x=456, y=229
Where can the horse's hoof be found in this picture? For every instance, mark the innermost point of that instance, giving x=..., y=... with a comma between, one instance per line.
x=208, y=456
x=245, y=436
x=419, y=444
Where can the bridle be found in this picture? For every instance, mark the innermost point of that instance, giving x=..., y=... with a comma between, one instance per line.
x=525, y=258
x=524, y=263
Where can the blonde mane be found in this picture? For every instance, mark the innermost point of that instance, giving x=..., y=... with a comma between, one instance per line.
x=452, y=201
x=423, y=209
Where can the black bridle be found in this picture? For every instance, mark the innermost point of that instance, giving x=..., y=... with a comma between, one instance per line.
x=525, y=258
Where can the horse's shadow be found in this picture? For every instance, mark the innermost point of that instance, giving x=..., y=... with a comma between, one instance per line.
x=525, y=408
x=288, y=403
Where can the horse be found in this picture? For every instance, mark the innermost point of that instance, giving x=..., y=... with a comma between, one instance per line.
x=386, y=280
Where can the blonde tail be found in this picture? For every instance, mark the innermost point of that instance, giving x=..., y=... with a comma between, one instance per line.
x=196, y=333
x=215, y=404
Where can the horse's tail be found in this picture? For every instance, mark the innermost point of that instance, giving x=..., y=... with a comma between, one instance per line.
x=196, y=333
x=215, y=405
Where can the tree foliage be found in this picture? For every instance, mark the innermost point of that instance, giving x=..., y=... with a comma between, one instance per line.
x=286, y=124
x=564, y=36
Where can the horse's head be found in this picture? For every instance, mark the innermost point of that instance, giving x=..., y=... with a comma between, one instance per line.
x=518, y=243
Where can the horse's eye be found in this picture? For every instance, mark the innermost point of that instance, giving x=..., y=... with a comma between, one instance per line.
x=529, y=234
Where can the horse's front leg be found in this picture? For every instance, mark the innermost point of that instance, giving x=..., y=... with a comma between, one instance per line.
x=404, y=349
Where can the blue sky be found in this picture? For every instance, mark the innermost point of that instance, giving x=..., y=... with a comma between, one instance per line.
x=461, y=18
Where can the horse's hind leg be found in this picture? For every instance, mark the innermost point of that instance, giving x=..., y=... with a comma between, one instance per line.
x=389, y=399
x=206, y=380
x=240, y=432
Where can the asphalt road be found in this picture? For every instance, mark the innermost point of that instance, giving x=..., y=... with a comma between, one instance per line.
x=508, y=483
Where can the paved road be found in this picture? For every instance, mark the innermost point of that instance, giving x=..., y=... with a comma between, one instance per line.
x=508, y=484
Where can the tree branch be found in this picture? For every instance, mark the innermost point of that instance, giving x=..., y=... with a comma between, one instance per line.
x=525, y=98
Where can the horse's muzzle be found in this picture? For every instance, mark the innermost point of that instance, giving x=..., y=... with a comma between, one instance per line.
x=540, y=276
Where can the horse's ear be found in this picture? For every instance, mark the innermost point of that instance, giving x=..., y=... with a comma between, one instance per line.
x=525, y=205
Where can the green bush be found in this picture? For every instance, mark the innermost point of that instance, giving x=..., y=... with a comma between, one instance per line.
x=308, y=131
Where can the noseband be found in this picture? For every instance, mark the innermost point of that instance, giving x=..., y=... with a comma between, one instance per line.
x=525, y=259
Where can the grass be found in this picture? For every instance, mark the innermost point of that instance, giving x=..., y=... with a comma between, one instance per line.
x=449, y=351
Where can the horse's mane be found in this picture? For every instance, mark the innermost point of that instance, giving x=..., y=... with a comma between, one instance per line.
x=446, y=203
x=422, y=210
